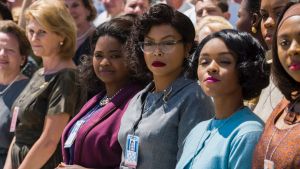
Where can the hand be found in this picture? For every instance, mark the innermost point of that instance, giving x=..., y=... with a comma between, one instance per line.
x=65, y=166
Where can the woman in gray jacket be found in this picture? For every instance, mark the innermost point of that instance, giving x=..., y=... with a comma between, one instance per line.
x=159, y=117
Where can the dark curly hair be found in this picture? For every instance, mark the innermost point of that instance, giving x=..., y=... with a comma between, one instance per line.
x=285, y=83
x=251, y=64
x=118, y=28
x=157, y=15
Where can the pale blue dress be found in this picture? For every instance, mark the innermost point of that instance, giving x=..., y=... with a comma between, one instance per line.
x=222, y=144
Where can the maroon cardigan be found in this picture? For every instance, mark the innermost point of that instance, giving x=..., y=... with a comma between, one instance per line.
x=96, y=144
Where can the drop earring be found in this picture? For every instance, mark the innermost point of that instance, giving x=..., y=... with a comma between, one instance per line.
x=253, y=29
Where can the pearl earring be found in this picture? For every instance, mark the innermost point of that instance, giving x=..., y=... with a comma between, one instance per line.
x=61, y=43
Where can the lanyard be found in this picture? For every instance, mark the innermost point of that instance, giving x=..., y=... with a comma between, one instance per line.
x=164, y=97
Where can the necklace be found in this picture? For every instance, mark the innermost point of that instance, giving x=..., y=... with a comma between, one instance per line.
x=107, y=99
x=4, y=90
x=268, y=163
x=275, y=148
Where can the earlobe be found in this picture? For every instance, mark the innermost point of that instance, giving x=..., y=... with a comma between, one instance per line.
x=255, y=20
x=23, y=61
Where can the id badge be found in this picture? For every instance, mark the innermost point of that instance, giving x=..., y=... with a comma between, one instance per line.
x=73, y=134
x=268, y=164
x=131, y=151
x=14, y=119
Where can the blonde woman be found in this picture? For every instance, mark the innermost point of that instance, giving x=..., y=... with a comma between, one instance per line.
x=45, y=106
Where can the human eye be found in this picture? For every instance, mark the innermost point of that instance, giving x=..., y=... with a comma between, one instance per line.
x=199, y=13
x=41, y=32
x=30, y=31
x=284, y=42
x=203, y=62
x=168, y=43
x=264, y=15
x=98, y=55
x=75, y=5
x=10, y=50
x=277, y=14
x=148, y=43
x=116, y=55
x=225, y=61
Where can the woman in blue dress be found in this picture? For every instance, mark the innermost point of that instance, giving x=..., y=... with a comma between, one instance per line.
x=230, y=68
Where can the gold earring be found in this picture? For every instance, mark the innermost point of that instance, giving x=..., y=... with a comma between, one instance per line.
x=253, y=29
x=61, y=43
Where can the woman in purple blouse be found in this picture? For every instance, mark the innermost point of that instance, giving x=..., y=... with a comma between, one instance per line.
x=90, y=139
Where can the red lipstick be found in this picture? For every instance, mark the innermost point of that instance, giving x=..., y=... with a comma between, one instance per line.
x=211, y=80
x=158, y=64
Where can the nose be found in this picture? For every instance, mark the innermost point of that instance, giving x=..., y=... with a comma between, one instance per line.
x=204, y=13
x=213, y=67
x=104, y=61
x=294, y=48
x=270, y=22
x=157, y=51
x=3, y=52
x=33, y=36
x=138, y=10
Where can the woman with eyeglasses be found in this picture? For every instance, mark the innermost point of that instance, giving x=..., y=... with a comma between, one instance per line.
x=159, y=117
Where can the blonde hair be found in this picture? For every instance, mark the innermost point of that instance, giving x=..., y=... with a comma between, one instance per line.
x=55, y=17
x=213, y=23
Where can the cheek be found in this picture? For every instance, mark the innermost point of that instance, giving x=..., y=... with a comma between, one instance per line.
x=262, y=28
x=147, y=58
x=95, y=65
x=200, y=73
x=282, y=57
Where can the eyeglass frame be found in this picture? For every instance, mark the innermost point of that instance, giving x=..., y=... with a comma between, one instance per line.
x=158, y=45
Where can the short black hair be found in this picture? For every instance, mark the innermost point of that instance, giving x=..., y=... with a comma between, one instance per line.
x=251, y=63
x=285, y=83
x=160, y=14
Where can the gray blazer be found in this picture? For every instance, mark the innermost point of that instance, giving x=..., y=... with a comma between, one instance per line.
x=167, y=119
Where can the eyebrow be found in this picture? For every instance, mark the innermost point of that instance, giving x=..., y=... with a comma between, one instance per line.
x=111, y=51
x=165, y=37
x=221, y=53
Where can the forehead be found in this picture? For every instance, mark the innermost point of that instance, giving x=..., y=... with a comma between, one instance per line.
x=287, y=26
x=272, y=4
x=206, y=4
x=214, y=46
x=72, y=1
x=137, y=2
x=162, y=31
x=107, y=41
x=34, y=24
x=8, y=39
